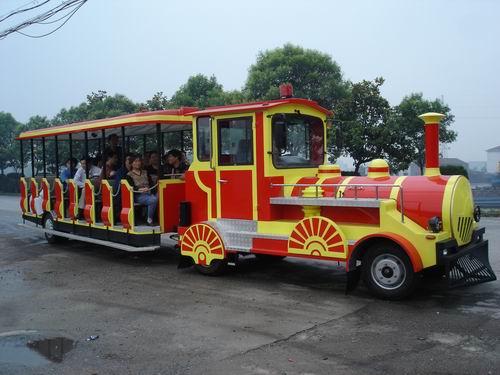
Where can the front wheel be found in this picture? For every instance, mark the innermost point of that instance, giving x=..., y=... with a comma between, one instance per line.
x=215, y=268
x=387, y=272
x=48, y=223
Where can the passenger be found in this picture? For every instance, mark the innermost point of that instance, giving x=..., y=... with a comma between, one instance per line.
x=69, y=171
x=153, y=167
x=111, y=163
x=113, y=147
x=80, y=177
x=142, y=184
x=176, y=166
x=120, y=174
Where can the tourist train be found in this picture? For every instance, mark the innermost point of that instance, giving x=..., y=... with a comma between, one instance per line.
x=259, y=183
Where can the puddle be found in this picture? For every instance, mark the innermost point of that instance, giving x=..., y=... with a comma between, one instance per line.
x=28, y=351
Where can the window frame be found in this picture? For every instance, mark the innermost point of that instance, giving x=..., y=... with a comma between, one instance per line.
x=198, y=154
x=252, y=137
x=297, y=166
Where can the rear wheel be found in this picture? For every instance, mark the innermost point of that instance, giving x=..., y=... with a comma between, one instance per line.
x=387, y=272
x=215, y=268
x=48, y=223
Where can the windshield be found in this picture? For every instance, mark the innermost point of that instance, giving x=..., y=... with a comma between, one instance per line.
x=298, y=141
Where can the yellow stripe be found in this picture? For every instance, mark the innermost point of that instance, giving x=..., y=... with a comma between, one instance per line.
x=207, y=190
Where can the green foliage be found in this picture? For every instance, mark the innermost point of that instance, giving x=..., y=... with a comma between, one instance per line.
x=8, y=126
x=314, y=75
x=452, y=170
x=98, y=105
x=199, y=91
x=157, y=102
x=409, y=129
x=361, y=118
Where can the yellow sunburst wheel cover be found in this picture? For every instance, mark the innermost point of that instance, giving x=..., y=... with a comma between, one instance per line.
x=317, y=236
x=202, y=243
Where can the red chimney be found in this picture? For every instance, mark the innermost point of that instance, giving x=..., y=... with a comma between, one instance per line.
x=431, y=121
x=286, y=90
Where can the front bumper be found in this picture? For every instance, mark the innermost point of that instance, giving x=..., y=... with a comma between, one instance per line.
x=466, y=265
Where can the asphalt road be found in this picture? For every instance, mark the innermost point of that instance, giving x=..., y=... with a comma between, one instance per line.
x=290, y=318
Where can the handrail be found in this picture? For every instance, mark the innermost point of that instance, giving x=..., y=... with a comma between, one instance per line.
x=149, y=189
x=355, y=186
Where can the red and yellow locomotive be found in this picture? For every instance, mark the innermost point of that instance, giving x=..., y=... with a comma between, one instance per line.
x=259, y=184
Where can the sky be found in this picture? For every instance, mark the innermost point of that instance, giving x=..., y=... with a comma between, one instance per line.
x=447, y=49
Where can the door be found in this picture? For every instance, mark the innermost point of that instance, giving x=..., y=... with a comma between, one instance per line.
x=235, y=168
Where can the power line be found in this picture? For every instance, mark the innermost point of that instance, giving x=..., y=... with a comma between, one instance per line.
x=17, y=11
x=41, y=19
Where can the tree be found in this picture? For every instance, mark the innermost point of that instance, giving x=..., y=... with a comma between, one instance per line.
x=157, y=102
x=410, y=129
x=313, y=74
x=98, y=105
x=199, y=91
x=361, y=119
x=8, y=126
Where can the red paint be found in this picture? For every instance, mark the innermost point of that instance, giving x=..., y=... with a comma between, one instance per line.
x=236, y=200
x=406, y=245
x=329, y=191
x=34, y=194
x=432, y=146
x=89, y=203
x=58, y=200
x=197, y=197
x=24, y=195
x=259, y=106
x=367, y=191
x=297, y=190
x=352, y=215
x=329, y=170
x=107, y=209
x=46, y=196
x=286, y=90
x=127, y=207
x=269, y=246
x=73, y=201
x=172, y=196
x=418, y=206
x=378, y=169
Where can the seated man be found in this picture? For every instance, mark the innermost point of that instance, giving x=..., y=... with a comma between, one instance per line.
x=142, y=184
x=175, y=165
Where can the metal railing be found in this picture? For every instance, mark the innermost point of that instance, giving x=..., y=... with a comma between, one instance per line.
x=355, y=187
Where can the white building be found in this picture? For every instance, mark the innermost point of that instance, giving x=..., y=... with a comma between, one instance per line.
x=493, y=160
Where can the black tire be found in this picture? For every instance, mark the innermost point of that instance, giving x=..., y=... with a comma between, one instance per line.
x=215, y=268
x=266, y=258
x=48, y=223
x=387, y=272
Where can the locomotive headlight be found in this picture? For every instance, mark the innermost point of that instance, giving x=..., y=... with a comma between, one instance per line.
x=477, y=214
x=435, y=225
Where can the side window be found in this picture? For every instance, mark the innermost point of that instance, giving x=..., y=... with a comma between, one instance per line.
x=203, y=138
x=235, y=141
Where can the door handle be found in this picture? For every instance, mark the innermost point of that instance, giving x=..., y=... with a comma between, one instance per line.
x=222, y=181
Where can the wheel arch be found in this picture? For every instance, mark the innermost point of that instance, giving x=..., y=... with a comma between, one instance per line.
x=361, y=246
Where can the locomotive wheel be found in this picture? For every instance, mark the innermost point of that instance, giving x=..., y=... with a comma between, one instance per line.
x=266, y=258
x=215, y=268
x=387, y=272
x=48, y=223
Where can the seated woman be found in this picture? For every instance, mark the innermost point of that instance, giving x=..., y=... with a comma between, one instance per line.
x=176, y=164
x=142, y=184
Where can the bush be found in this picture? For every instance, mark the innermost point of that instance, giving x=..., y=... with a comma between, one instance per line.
x=451, y=170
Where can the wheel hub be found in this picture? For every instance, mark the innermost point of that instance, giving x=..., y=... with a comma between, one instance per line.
x=388, y=271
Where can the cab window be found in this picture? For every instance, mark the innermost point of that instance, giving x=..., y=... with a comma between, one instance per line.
x=235, y=141
x=203, y=138
x=298, y=141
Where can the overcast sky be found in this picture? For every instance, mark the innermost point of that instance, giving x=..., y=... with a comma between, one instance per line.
x=446, y=49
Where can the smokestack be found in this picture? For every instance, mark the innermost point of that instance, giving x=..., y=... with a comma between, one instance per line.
x=431, y=120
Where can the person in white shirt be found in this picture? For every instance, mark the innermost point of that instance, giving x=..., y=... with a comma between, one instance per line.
x=81, y=176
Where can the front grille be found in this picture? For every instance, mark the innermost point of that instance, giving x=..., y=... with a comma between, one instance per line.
x=465, y=229
x=470, y=269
